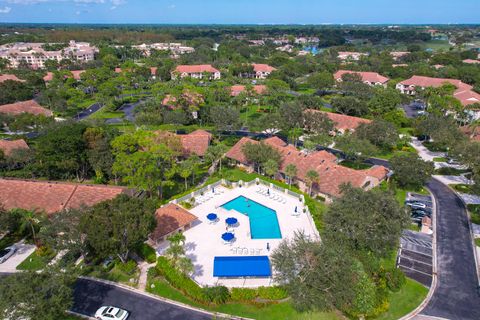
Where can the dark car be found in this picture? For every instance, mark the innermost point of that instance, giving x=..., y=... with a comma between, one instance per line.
x=7, y=253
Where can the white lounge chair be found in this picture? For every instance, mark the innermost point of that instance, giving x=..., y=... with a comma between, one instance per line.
x=252, y=252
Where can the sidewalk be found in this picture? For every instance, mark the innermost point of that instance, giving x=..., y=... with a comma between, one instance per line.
x=423, y=152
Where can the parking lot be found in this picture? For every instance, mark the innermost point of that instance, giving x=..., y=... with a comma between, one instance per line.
x=415, y=254
x=413, y=109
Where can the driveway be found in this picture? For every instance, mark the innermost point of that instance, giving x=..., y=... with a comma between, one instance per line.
x=423, y=152
x=90, y=295
x=456, y=295
x=23, y=251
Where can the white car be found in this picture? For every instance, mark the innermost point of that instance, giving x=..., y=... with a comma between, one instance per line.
x=111, y=313
x=7, y=253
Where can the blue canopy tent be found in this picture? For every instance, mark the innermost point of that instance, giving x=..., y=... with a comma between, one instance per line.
x=231, y=221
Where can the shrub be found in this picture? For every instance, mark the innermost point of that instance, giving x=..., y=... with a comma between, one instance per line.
x=147, y=253
x=186, y=204
x=152, y=273
x=45, y=251
x=180, y=281
x=395, y=279
x=217, y=295
x=272, y=293
x=243, y=294
x=128, y=267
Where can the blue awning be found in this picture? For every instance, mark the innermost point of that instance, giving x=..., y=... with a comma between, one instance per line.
x=237, y=267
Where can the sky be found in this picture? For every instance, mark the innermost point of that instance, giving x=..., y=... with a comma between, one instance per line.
x=241, y=11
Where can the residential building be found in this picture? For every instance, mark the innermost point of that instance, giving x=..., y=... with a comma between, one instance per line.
x=370, y=78
x=258, y=89
x=464, y=92
x=342, y=123
x=196, y=142
x=76, y=74
x=331, y=174
x=34, y=55
x=30, y=106
x=51, y=197
x=176, y=49
x=9, y=146
x=11, y=77
x=196, y=71
x=471, y=61
x=397, y=55
x=262, y=71
x=171, y=219
x=355, y=56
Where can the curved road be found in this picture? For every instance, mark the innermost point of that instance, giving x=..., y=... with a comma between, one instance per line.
x=456, y=295
x=90, y=295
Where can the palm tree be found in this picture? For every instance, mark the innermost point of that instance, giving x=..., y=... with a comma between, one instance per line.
x=291, y=172
x=29, y=220
x=186, y=169
x=311, y=178
x=271, y=167
x=175, y=251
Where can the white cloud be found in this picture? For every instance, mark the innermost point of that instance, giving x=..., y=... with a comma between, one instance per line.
x=5, y=10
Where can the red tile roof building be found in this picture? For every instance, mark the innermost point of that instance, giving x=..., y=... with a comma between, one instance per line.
x=51, y=197
x=171, y=218
x=257, y=89
x=196, y=142
x=12, y=77
x=342, y=123
x=464, y=92
x=331, y=175
x=30, y=106
x=196, y=71
x=9, y=146
x=76, y=74
x=262, y=71
x=471, y=61
x=370, y=78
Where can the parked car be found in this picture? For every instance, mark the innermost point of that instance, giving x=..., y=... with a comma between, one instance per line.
x=421, y=212
x=416, y=205
x=7, y=253
x=109, y=313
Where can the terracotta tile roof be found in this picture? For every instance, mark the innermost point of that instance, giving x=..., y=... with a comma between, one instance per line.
x=237, y=89
x=199, y=68
x=371, y=77
x=48, y=77
x=52, y=197
x=341, y=121
x=170, y=218
x=5, y=77
x=464, y=92
x=260, y=67
x=331, y=175
x=75, y=73
x=8, y=146
x=30, y=106
x=196, y=142
x=472, y=133
x=471, y=61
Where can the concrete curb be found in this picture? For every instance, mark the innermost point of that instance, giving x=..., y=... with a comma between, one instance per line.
x=433, y=286
x=215, y=315
x=79, y=315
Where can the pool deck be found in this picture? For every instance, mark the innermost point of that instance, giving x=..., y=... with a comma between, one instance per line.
x=203, y=240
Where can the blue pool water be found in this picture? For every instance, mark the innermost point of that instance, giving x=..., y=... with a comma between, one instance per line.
x=263, y=220
x=235, y=267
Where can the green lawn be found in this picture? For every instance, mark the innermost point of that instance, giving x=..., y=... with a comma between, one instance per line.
x=440, y=159
x=464, y=188
x=405, y=300
x=401, y=193
x=115, y=274
x=355, y=165
x=474, y=210
x=477, y=242
x=35, y=262
x=282, y=310
x=103, y=113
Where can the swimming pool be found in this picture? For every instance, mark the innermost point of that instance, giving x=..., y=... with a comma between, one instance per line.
x=235, y=267
x=263, y=220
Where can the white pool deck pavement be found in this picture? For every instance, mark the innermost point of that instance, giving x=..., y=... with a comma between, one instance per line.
x=203, y=240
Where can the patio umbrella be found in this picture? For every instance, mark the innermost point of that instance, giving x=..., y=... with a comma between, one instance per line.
x=212, y=216
x=295, y=208
x=231, y=221
x=228, y=236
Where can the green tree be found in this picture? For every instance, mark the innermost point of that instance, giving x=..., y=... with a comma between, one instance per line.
x=320, y=80
x=384, y=100
x=259, y=153
x=370, y=221
x=215, y=153
x=225, y=118
x=176, y=253
x=117, y=226
x=354, y=148
x=350, y=106
x=311, y=178
x=380, y=133
x=186, y=169
x=30, y=295
x=271, y=167
x=410, y=170
x=291, y=171
x=318, y=123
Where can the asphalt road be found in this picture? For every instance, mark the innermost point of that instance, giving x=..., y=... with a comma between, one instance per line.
x=456, y=295
x=87, y=112
x=91, y=295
